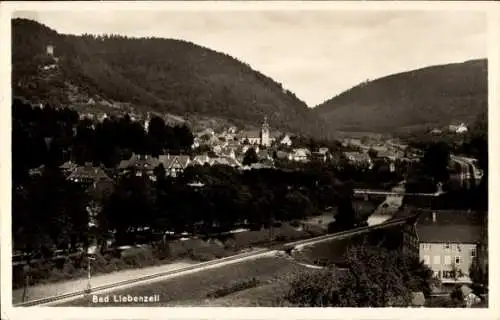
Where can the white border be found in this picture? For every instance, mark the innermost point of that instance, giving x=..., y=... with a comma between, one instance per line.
x=493, y=10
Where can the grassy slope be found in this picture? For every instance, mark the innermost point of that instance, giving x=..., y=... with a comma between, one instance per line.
x=192, y=289
x=430, y=96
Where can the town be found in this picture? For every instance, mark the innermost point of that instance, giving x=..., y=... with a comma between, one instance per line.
x=180, y=176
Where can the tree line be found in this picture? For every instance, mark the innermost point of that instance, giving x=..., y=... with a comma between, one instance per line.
x=50, y=136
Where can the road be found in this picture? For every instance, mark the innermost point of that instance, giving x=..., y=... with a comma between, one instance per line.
x=389, y=207
x=140, y=278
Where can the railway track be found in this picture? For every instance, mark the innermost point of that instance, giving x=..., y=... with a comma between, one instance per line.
x=204, y=265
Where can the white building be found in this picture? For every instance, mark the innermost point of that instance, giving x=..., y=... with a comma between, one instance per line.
x=461, y=128
x=448, y=244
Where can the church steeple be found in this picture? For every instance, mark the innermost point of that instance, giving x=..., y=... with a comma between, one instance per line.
x=146, y=122
x=264, y=133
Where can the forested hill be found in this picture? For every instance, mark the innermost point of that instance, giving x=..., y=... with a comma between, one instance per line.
x=163, y=75
x=428, y=97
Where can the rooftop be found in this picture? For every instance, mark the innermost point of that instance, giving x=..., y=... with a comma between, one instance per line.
x=451, y=226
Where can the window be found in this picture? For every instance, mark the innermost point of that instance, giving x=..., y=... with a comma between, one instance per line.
x=427, y=260
x=447, y=246
x=457, y=260
x=437, y=259
x=448, y=274
x=473, y=253
x=447, y=260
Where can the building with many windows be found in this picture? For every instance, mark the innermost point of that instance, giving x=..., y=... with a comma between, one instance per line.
x=449, y=242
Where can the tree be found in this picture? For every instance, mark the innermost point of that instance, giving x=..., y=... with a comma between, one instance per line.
x=372, y=153
x=435, y=161
x=250, y=157
x=478, y=274
x=375, y=277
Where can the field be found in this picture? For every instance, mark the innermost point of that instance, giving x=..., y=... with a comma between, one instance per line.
x=194, y=289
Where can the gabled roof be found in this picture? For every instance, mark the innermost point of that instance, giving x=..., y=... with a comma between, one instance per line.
x=88, y=172
x=357, y=156
x=201, y=159
x=249, y=134
x=169, y=161
x=450, y=227
x=68, y=165
x=140, y=162
x=301, y=152
x=227, y=161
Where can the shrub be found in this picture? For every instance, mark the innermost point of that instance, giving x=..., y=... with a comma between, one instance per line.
x=139, y=258
x=234, y=287
x=295, y=223
x=281, y=238
x=161, y=251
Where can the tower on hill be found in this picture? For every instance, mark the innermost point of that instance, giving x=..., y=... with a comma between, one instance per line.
x=50, y=50
x=265, y=139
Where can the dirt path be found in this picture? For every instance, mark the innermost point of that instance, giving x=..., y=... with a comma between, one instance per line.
x=53, y=289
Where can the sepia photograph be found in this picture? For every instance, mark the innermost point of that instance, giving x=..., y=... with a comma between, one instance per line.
x=248, y=158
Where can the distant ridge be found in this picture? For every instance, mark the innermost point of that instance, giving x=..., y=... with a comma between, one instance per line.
x=427, y=97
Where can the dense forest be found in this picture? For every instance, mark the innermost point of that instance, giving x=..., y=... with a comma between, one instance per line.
x=425, y=98
x=162, y=75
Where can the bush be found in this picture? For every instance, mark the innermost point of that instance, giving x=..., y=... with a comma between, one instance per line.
x=162, y=251
x=139, y=258
x=295, y=223
x=281, y=238
x=234, y=287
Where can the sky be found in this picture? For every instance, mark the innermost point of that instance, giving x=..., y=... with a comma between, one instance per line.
x=315, y=54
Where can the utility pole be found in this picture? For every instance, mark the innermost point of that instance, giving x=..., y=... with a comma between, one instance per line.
x=26, y=270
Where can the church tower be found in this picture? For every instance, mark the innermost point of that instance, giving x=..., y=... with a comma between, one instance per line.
x=265, y=139
x=146, y=122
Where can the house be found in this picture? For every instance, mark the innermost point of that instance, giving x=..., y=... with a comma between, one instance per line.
x=141, y=165
x=387, y=154
x=286, y=140
x=358, y=158
x=232, y=130
x=68, y=167
x=174, y=164
x=460, y=128
x=267, y=164
x=300, y=155
x=225, y=161
x=321, y=154
x=90, y=177
x=38, y=171
x=200, y=160
x=449, y=242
